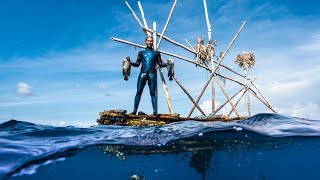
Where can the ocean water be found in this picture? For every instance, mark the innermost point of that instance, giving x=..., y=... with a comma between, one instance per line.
x=265, y=146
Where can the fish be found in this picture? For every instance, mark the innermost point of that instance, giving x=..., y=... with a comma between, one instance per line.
x=170, y=68
x=136, y=177
x=126, y=67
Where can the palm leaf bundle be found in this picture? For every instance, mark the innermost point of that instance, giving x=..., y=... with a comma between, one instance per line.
x=246, y=60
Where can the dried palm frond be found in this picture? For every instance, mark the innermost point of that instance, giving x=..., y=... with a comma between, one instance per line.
x=210, y=52
x=246, y=60
x=205, y=52
x=200, y=50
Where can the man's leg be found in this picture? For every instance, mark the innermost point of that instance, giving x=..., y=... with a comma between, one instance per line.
x=140, y=85
x=152, y=82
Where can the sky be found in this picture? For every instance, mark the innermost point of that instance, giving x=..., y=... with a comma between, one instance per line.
x=59, y=66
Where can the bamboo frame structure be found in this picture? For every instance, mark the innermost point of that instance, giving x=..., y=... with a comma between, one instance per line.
x=213, y=70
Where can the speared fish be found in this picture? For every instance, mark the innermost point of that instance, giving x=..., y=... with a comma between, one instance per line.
x=126, y=67
x=170, y=68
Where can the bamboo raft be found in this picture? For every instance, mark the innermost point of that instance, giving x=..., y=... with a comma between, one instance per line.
x=120, y=117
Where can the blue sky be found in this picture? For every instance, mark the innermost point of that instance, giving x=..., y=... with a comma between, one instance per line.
x=58, y=65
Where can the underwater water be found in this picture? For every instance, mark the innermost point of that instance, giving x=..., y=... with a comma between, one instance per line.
x=265, y=146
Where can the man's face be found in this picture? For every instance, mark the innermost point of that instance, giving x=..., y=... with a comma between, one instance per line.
x=149, y=42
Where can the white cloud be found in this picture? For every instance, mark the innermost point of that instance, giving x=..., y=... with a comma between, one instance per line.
x=24, y=89
x=312, y=45
x=283, y=88
x=206, y=106
x=308, y=110
x=103, y=87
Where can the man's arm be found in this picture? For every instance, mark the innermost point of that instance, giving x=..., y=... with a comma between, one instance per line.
x=137, y=63
x=160, y=62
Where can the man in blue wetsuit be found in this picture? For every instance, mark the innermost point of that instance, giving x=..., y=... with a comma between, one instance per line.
x=148, y=72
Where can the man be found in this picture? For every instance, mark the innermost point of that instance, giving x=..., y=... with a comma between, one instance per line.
x=148, y=72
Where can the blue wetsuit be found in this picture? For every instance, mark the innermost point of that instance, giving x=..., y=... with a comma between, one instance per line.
x=149, y=59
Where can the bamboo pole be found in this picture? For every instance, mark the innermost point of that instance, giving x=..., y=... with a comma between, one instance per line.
x=249, y=109
x=128, y=42
x=226, y=102
x=226, y=51
x=263, y=102
x=165, y=88
x=163, y=52
x=227, y=96
x=245, y=92
x=186, y=92
x=207, y=19
x=230, y=79
x=143, y=18
x=136, y=17
x=261, y=95
x=154, y=33
x=156, y=47
x=171, y=41
x=219, y=62
x=185, y=59
x=213, y=96
x=190, y=45
x=229, y=69
x=211, y=57
x=247, y=95
x=154, y=27
x=166, y=25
